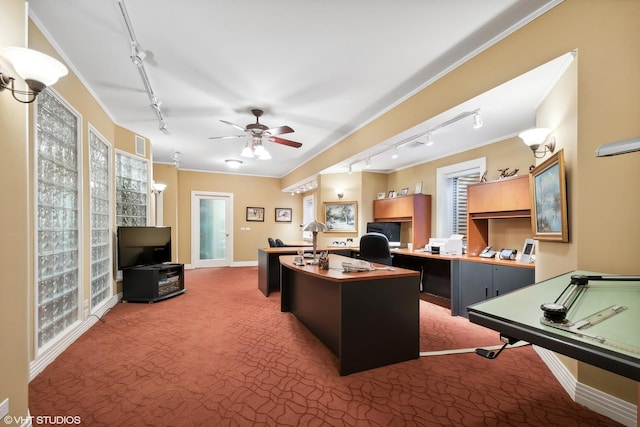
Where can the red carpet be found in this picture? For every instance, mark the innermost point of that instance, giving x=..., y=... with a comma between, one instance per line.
x=223, y=354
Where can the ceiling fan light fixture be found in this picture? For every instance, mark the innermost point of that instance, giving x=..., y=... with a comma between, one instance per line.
x=247, y=151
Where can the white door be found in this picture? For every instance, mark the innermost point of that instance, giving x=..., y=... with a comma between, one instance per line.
x=211, y=225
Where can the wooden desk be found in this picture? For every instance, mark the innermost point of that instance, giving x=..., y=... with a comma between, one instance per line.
x=269, y=264
x=367, y=319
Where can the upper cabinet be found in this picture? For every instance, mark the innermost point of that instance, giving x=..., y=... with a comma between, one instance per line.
x=414, y=208
x=506, y=198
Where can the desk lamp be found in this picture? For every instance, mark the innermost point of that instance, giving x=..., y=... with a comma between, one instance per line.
x=315, y=227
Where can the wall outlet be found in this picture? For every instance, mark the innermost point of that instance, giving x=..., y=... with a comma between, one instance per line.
x=4, y=408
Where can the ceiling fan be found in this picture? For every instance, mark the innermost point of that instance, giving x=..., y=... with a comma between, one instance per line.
x=256, y=131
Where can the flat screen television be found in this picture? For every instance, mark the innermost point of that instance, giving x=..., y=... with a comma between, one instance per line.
x=138, y=246
x=389, y=229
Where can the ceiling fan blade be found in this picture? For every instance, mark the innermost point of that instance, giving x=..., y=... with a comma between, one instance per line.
x=234, y=125
x=285, y=142
x=227, y=137
x=280, y=130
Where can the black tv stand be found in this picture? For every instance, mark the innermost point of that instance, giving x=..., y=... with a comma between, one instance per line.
x=151, y=283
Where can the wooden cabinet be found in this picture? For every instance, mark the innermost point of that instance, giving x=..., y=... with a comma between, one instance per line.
x=478, y=281
x=509, y=197
x=506, y=198
x=414, y=209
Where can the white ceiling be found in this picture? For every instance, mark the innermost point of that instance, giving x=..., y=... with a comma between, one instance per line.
x=323, y=68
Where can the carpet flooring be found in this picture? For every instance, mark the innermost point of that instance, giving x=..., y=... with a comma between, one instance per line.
x=222, y=354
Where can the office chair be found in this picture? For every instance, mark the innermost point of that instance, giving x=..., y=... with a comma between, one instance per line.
x=280, y=243
x=272, y=242
x=374, y=247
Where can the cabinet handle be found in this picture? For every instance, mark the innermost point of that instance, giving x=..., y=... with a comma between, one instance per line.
x=497, y=292
x=486, y=292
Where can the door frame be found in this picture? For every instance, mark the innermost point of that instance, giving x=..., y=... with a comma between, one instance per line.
x=195, y=228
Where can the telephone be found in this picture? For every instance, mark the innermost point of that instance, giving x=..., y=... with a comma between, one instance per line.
x=508, y=254
x=488, y=253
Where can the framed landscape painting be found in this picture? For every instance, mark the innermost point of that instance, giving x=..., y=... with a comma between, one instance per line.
x=549, y=200
x=255, y=214
x=283, y=214
x=341, y=216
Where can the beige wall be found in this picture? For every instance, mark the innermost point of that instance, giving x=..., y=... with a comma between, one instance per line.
x=248, y=191
x=15, y=259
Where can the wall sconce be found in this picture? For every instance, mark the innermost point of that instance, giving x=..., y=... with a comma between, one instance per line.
x=157, y=188
x=340, y=193
x=36, y=69
x=537, y=137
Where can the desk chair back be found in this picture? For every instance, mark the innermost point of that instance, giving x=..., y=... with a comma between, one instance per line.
x=280, y=243
x=272, y=242
x=374, y=247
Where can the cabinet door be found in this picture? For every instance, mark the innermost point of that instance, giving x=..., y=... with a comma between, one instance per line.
x=507, y=279
x=475, y=284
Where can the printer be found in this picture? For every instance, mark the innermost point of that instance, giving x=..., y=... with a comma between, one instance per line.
x=446, y=246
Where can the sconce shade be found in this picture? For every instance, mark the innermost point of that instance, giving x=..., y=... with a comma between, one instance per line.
x=37, y=69
x=534, y=137
x=233, y=163
x=159, y=187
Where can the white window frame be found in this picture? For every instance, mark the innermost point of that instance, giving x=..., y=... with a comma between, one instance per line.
x=445, y=189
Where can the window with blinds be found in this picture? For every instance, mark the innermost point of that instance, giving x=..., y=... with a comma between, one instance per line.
x=459, y=197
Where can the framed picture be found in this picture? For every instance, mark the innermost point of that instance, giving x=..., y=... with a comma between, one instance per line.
x=418, y=188
x=255, y=214
x=404, y=191
x=392, y=194
x=341, y=216
x=382, y=195
x=283, y=214
x=549, y=200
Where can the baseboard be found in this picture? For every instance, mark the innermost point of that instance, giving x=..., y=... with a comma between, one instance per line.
x=50, y=354
x=602, y=403
x=233, y=264
x=244, y=264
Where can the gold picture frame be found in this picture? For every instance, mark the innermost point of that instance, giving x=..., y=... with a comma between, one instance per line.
x=341, y=217
x=549, y=200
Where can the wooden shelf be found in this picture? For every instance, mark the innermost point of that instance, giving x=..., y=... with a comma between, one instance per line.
x=502, y=199
x=414, y=208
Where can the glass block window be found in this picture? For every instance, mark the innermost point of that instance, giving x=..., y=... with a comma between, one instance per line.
x=132, y=195
x=57, y=220
x=100, y=187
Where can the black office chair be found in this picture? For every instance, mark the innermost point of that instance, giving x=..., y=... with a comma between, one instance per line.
x=272, y=242
x=280, y=243
x=374, y=247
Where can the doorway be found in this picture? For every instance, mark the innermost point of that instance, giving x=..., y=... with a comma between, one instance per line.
x=211, y=226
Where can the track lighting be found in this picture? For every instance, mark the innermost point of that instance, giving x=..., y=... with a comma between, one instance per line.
x=394, y=155
x=477, y=120
x=175, y=156
x=536, y=137
x=429, y=139
x=36, y=69
x=368, y=164
x=350, y=168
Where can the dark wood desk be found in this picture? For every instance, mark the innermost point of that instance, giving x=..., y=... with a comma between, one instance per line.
x=269, y=264
x=367, y=319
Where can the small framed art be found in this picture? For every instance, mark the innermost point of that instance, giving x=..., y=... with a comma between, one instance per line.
x=283, y=214
x=255, y=214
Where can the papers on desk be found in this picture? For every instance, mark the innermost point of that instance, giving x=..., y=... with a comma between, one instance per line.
x=356, y=266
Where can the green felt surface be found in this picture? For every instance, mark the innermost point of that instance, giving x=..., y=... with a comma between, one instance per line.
x=621, y=332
